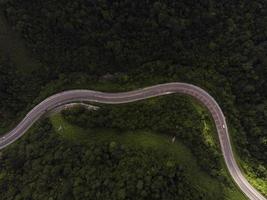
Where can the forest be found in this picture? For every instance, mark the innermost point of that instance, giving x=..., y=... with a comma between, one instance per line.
x=44, y=166
x=121, y=45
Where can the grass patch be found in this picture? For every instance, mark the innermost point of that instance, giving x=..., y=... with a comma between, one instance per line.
x=207, y=134
x=209, y=131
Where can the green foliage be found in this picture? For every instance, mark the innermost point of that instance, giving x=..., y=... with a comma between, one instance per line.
x=64, y=170
x=218, y=45
x=173, y=115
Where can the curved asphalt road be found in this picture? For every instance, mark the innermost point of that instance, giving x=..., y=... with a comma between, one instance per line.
x=118, y=98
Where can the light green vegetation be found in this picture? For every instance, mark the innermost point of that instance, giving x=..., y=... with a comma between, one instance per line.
x=147, y=139
x=211, y=138
x=209, y=130
x=207, y=136
x=246, y=168
x=259, y=183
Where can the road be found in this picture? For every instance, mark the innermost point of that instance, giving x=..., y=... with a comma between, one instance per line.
x=201, y=95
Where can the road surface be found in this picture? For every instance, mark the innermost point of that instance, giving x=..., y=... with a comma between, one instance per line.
x=71, y=96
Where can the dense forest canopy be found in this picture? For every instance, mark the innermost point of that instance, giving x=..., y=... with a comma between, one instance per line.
x=218, y=45
x=215, y=44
